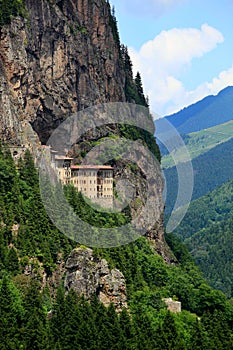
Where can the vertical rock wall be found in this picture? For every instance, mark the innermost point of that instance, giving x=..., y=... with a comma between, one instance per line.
x=60, y=59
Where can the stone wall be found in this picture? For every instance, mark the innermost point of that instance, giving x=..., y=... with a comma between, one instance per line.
x=172, y=305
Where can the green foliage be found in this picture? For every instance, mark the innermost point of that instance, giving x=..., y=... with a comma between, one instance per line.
x=133, y=133
x=12, y=262
x=113, y=26
x=11, y=315
x=199, y=142
x=211, y=170
x=91, y=215
x=10, y=9
x=21, y=204
x=133, y=87
x=207, y=229
x=74, y=323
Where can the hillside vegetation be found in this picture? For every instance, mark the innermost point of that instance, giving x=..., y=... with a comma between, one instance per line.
x=211, y=170
x=207, y=229
x=74, y=323
x=10, y=9
x=200, y=142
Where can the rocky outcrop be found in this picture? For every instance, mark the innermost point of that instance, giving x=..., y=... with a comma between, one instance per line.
x=89, y=275
x=35, y=269
x=63, y=57
x=59, y=60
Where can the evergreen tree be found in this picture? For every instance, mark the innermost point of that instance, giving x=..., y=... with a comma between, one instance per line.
x=8, y=321
x=139, y=88
x=198, y=338
x=58, y=321
x=12, y=262
x=167, y=335
x=35, y=335
x=219, y=332
x=27, y=170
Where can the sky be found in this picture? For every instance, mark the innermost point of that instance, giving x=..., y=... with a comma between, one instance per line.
x=182, y=48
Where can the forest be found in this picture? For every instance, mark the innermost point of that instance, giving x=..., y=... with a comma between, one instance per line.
x=210, y=170
x=32, y=318
x=207, y=230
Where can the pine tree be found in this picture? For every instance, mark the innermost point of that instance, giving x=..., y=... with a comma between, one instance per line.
x=8, y=322
x=12, y=262
x=58, y=321
x=198, y=339
x=140, y=92
x=167, y=335
x=27, y=170
x=35, y=333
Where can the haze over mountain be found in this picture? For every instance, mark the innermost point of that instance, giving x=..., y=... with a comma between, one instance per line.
x=210, y=111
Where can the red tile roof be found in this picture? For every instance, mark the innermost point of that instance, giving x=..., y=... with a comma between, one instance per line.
x=94, y=167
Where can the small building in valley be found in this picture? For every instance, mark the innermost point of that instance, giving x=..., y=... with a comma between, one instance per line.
x=172, y=305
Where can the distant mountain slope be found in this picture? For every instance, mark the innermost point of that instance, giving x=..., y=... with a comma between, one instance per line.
x=211, y=169
x=200, y=142
x=215, y=206
x=210, y=111
x=208, y=231
x=212, y=251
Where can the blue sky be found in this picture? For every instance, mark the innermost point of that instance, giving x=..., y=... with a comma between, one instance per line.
x=182, y=48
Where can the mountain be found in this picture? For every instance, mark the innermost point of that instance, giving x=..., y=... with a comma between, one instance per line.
x=58, y=57
x=210, y=111
x=207, y=229
x=200, y=142
x=210, y=170
x=124, y=289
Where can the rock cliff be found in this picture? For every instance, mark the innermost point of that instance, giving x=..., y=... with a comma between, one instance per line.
x=64, y=56
x=60, y=59
x=89, y=276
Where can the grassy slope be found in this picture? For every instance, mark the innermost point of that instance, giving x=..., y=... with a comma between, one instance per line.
x=201, y=142
x=211, y=170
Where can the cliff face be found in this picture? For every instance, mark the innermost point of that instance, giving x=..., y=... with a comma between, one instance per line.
x=59, y=60
x=89, y=276
x=63, y=57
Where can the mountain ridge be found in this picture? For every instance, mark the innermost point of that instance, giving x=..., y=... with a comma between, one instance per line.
x=210, y=111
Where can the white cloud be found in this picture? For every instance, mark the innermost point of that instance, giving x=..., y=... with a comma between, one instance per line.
x=162, y=61
x=225, y=78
